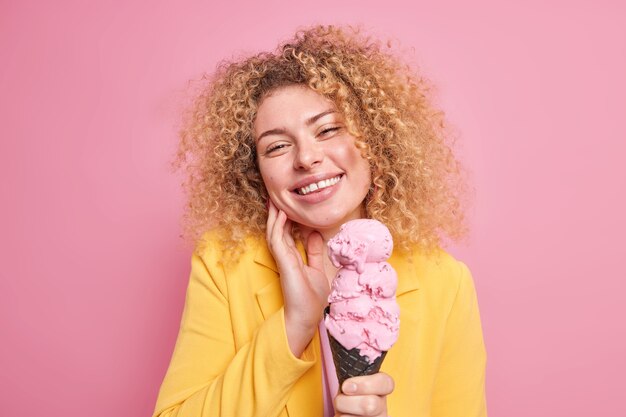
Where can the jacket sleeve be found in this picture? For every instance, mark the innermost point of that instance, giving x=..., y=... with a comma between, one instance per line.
x=459, y=389
x=208, y=376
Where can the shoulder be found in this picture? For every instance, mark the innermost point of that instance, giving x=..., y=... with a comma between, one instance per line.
x=221, y=261
x=437, y=266
x=213, y=250
x=437, y=274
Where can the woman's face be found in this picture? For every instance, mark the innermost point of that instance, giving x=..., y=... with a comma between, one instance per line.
x=309, y=162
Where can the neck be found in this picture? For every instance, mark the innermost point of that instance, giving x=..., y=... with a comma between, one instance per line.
x=326, y=234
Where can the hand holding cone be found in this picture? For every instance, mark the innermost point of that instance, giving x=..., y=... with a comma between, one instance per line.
x=363, y=316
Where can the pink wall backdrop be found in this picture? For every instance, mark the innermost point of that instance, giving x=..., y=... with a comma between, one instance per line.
x=93, y=272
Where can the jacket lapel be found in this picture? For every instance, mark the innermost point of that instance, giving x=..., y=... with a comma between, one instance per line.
x=306, y=397
x=406, y=269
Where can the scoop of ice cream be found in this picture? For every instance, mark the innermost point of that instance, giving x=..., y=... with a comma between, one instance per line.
x=345, y=285
x=363, y=310
x=378, y=280
x=370, y=336
x=358, y=242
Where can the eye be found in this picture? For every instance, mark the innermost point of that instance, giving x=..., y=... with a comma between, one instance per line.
x=329, y=131
x=276, y=148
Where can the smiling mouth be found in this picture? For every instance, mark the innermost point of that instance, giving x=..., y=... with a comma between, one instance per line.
x=318, y=186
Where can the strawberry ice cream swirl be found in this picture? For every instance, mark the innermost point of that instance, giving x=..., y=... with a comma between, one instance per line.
x=363, y=313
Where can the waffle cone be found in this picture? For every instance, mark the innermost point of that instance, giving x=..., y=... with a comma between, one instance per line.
x=350, y=363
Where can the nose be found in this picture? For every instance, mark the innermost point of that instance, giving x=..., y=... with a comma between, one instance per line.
x=309, y=154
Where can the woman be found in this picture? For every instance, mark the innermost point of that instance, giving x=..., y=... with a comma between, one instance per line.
x=281, y=149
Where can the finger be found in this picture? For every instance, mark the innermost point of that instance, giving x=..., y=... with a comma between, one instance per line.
x=278, y=229
x=287, y=234
x=271, y=219
x=376, y=384
x=288, y=240
x=361, y=405
x=315, y=251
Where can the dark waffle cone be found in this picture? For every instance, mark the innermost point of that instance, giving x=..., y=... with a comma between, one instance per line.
x=349, y=362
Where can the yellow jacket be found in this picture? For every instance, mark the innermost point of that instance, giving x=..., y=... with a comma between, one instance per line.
x=232, y=357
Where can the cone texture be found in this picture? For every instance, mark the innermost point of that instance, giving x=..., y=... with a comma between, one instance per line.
x=349, y=363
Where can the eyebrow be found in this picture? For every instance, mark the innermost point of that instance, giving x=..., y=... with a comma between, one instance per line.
x=308, y=122
x=319, y=116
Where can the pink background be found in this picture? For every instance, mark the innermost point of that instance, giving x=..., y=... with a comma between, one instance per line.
x=93, y=273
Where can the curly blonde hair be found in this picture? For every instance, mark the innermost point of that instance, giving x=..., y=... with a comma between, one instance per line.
x=417, y=187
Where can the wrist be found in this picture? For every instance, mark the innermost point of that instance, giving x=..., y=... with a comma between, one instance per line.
x=299, y=333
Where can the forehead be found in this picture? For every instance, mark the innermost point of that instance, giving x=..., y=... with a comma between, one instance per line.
x=290, y=105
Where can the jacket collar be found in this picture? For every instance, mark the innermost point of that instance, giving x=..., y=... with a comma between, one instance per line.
x=306, y=401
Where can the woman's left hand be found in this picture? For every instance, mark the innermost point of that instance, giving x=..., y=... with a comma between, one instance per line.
x=364, y=396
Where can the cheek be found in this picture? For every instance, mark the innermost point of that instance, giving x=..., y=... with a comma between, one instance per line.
x=364, y=175
x=270, y=184
x=366, y=181
x=271, y=178
x=359, y=165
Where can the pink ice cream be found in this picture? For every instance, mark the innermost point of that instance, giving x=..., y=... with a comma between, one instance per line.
x=363, y=309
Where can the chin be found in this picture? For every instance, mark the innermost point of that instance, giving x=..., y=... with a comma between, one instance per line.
x=327, y=224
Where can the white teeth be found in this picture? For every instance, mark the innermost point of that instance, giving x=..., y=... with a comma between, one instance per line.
x=319, y=185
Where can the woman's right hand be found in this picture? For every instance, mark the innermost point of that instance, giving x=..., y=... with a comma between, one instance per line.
x=305, y=287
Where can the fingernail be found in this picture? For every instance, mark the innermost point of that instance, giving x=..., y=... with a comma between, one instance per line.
x=349, y=387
